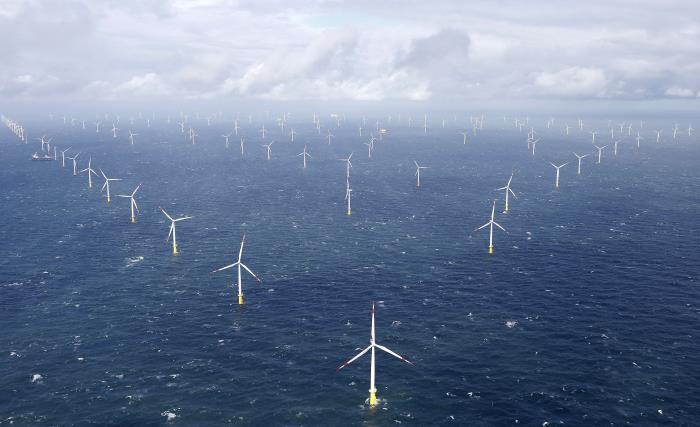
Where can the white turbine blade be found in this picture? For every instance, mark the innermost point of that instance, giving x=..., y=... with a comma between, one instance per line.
x=103, y=175
x=183, y=218
x=249, y=271
x=512, y=192
x=122, y=195
x=135, y=205
x=166, y=214
x=356, y=357
x=485, y=225
x=137, y=189
x=381, y=347
x=502, y=188
x=104, y=185
x=225, y=268
x=498, y=225
x=170, y=232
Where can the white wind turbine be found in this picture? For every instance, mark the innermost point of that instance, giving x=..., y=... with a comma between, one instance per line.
x=240, y=265
x=97, y=127
x=114, y=130
x=63, y=157
x=372, y=346
x=90, y=172
x=106, y=185
x=226, y=137
x=131, y=136
x=615, y=149
x=490, y=224
x=172, y=229
x=269, y=149
x=579, y=161
x=533, y=144
x=638, y=139
x=263, y=131
x=508, y=191
x=593, y=133
x=75, y=163
x=658, y=136
x=292, y=133
x=600, y=152
x=242, y=146
x=556, y=182
x=133, y=203
x=418, y=168
x=464, y=134
x=330, y=135
x=348, y=165
x=304, y=155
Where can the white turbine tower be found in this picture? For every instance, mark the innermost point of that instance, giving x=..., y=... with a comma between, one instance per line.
x=134, y=206
x=556, y=182
x=240, y=265
x=106, y=185
x=304, y=155
x=75, y=163
x=490, y=224
x=418, y=168
x=90, y=172
x=600, y=152
x=63, y=157
x=579, y=161
x=372, y=346
x=172, y=229
x=348, y=195
x=508, y=191
x=269, y=149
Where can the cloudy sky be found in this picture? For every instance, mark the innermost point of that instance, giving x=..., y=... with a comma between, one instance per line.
x=362, y=50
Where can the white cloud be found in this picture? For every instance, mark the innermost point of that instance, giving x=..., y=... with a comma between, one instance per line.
x=573, y=81
x=679, y=92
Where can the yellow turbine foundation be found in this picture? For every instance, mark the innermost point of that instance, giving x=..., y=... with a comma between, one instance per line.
x=349, y=212
x=174, y=250
x=133, y=220
x=372, y=398
x=490, y=250
x=240, y=299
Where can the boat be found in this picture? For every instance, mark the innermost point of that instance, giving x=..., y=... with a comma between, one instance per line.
x=42, y=158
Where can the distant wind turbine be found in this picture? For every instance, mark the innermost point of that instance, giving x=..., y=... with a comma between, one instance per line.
x=490, y=224
x=106, y=185
x=134, y=206
x=172, y=229
x=556, y=183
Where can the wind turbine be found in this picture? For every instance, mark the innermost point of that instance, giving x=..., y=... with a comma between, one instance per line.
x=239, y=264
x=658, y=136
x=330, y=135
x=226, y=137
x=90, y=172
x=172, y=229
x=490, y=224
x=418, y=168
x=269, y=149
x=292, y=133
x=600, y=152
x=304, y=155
x=114, y=130
x=508, y=190
x=133, y=203
x=372, y=346
x=464, y=134
x=106, y=185
x=638, y=139
x=616, y=142
x=556, y=183
x=63, y=156
x=263, y=131
x=242, y=146
x=348, y=165
x=594, y=132
x=131, y=136
x=533, y=143
x=75, y=163
x=579, y=161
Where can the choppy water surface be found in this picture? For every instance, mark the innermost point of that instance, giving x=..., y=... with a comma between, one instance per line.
x=587, y=313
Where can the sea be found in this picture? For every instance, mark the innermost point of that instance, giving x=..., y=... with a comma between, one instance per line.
x=586, y=314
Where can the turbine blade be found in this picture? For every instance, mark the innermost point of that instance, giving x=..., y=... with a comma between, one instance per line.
x=485, y=225
x=356, y=357
x=498, y=225
x=249, y=271
x=381, y=347
x=225, y=268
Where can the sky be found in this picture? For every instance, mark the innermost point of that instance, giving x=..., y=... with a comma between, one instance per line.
x=359, y=50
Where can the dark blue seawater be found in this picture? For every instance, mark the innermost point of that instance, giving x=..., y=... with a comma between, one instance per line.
x=587, y=313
